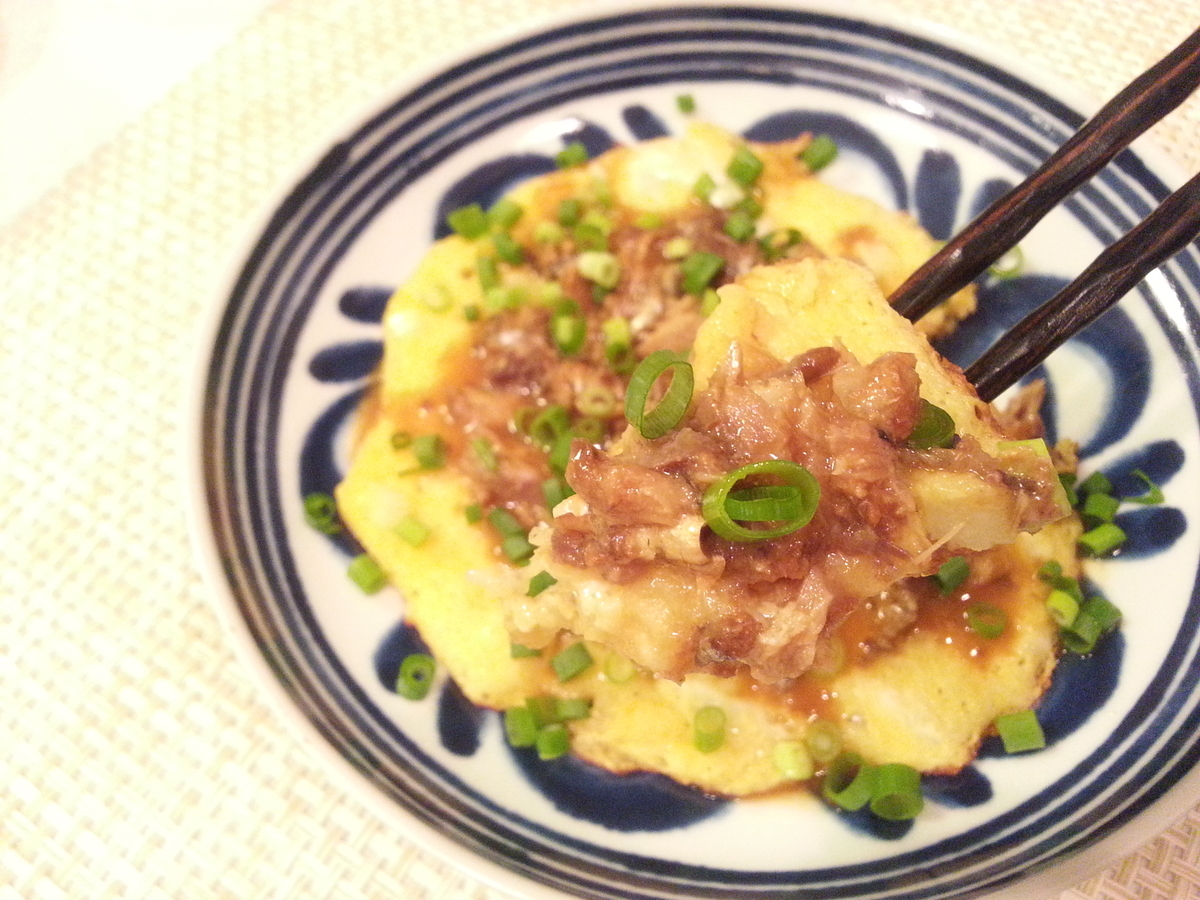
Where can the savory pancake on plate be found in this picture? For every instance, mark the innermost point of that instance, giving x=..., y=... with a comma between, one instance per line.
x=628, y=622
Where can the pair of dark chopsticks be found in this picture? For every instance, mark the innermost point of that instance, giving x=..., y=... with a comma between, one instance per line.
x=1114, y=273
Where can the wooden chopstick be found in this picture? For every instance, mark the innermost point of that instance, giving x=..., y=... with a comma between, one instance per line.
x=1114, y=273
x=997, y=229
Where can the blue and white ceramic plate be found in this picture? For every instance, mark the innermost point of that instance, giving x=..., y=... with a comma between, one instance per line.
x=925, y=123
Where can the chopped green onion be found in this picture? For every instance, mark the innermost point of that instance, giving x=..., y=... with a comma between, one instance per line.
x=648, y=221
x=430, y=451
x=517, y=548
x=540, y=582
x=569, y=332
x=1102, y=540
x=320, y=511
x=1063, y=608
x=571, y=662
x=590, y=236
x=750, y=206
x=548, y=425
x=596, y=400
x=367, y=574
x=1051, y=572
x=1103, y=611
x=698, y=270
x=677, y=248
x=1153, y=495
x=849, y=781
x=472, y=312
x=986, y=620
x=488, y=272
x=572, y=709
x=560, y=452
x=1097, y=508
x=670, y=410
x=574, y=154
x=474, y=513
x=896, y=795
x=599, y=267
x=776, y=244
x=555, y=490
x=504, y=214
x=951, y=574
x=590, y=428
x=704, y=187
x=934, y=428
x=820, y=152
x=413, y=531
x=1096, y=483
x=823, y=740
x=504, y=521
x=764, y=503
x=520, y=651
x=570, y=211
x=618, y=345
x=520, y=727
x=1020, y=731
x=686, y=104
x=740, y=226
x=485, y=454
x=468, y=221
x=547, y=232
x=619, y=669
x=502, y=297
x=514, y=540
x=601, y=191
x=715, y=505
x=1068, y=481
x=401, y=440
x=708, y=729
x=1096, y=617
x=792, y=761
x=1008, y=266
x=553, y=741
x=508, y=249
x=544, y=709
x=709, y=301
x=744, y=167
x=416, y=676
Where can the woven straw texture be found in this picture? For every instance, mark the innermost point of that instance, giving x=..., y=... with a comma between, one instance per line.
x=140, y=758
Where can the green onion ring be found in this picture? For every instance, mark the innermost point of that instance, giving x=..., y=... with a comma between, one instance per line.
x=986, y=620
x=415, y=677
x=721, y=517
x=765, y=503
x=670, y=410
x=849, y=782
x=1020, y=731
x=897, y=792
x=934, y=428
x=549, y=425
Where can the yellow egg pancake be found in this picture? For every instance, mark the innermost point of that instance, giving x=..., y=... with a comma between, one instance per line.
x=923, y=700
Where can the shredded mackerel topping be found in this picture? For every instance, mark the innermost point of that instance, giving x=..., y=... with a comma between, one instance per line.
x=517, y=369
x=720, y=606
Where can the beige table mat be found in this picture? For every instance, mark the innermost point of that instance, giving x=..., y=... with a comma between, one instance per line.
x=138, y=758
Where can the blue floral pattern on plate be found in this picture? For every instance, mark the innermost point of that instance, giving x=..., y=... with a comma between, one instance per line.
x=924, y=127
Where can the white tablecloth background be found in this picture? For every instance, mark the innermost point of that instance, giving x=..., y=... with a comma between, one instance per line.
x=138, y=758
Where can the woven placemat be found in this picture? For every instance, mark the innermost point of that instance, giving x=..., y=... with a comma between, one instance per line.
x=140, y=760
